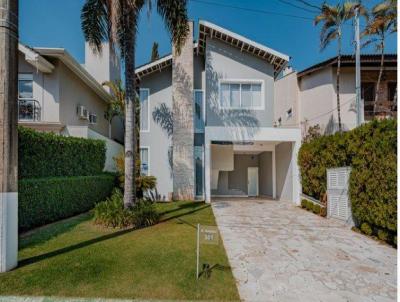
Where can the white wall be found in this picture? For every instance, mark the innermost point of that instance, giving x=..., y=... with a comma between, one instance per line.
x=284, y=171
x=287, y=97
x=74, y=92
x=318, y=104
x=157, y=139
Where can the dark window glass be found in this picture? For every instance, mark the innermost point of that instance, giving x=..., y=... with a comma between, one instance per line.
x=368, y=92
x=392, y=88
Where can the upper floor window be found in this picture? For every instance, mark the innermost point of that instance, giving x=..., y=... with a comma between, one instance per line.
x=144, y=94
x=241, y=94
x=25, y=86
x=199, y=110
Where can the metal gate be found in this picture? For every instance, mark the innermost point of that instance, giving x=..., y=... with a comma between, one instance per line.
x=338, y=198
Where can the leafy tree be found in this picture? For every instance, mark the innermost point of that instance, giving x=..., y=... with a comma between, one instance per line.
x=154, y=52
x=333, y=18
x=116, y=107
x=382, y=24
x=116, y=22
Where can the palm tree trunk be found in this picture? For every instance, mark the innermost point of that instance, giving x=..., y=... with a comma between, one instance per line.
x=130, y=125
x=378, y=84
x=109, y=129
x=338, y=81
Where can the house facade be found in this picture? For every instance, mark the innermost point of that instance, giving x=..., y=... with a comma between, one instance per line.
x=207, y=120
x=308, y=98
x=57, y=94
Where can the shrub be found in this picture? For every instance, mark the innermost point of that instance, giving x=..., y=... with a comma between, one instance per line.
x=309, y=205
x=111, y=213
x=366, y=229
x=304, y=203
x=395, y=240
x=50, y=155
x=316, y=209
x=323, y=212
x=383, y=235
x=371, y=151
x=144, y=183
x=45, y=200
x=145, y=213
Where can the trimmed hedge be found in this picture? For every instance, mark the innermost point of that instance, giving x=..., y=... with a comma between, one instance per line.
x=50, y=155
x=371, y=151
x=45, y=200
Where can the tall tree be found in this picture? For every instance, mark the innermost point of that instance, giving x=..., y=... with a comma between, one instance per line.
x=116, y=21
x=154, y=52
x=333, y=18
x=383, y=22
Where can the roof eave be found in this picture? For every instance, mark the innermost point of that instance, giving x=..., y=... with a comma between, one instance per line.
x=81, y=72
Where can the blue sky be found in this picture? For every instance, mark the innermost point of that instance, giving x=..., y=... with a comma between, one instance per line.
x=56, y=23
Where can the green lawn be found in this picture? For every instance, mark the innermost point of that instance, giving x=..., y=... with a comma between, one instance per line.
x=75, y=258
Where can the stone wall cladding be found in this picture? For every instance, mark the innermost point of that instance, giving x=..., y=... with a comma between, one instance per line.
x=183, y=126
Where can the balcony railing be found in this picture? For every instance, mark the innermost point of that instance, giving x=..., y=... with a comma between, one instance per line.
x=29, y=110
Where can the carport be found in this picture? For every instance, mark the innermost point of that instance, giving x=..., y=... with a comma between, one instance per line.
x=240, y=163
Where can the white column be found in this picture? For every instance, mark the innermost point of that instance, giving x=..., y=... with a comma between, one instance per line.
x=296, y=173
x=8, y=231
x=207, y=171
x=273, y=174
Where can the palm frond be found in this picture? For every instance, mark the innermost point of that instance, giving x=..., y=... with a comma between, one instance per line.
x=95, y=22
x=330, y=35
x=174, y=14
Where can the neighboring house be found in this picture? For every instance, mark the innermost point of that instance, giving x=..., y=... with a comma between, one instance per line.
x=308, y=98
x=57, y=94
x=207, y=119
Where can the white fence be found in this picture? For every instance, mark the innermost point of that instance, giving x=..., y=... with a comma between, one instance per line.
x=339, y=206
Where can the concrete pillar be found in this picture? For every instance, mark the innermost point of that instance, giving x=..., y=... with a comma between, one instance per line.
x=8, y=134
x=183, y=124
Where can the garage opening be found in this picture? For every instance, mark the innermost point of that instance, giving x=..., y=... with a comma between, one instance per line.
x=251, y=169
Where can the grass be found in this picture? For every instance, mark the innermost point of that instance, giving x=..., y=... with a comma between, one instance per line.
x=75, y=258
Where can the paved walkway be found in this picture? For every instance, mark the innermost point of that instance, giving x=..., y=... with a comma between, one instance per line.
x=279, y=252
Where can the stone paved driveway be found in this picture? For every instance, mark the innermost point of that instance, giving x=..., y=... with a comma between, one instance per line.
x=279, y=252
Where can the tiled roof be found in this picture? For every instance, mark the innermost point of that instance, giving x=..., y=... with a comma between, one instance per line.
x=349, y=60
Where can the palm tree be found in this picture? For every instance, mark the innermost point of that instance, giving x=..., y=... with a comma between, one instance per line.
x=116, y=21
x=154, y=52
x=382, y=24
x=333, y=18
x=116, y=107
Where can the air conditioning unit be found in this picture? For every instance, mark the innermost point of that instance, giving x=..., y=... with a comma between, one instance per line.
x=83, y=113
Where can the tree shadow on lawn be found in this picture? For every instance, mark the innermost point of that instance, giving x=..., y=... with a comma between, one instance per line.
x=87, y=243
x=44, y=233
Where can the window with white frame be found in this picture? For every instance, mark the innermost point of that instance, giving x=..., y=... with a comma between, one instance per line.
x=144, y=109
x=241, y=94
x=144, y=161
x=25, y=86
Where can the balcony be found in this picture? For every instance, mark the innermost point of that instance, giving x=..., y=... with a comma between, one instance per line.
x=29, y=110
x=383, y=109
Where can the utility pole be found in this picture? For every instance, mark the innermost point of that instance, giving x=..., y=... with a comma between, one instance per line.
x=8, y=134
x=359, y=102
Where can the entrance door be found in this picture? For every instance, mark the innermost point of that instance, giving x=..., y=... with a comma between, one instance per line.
x=252, y=181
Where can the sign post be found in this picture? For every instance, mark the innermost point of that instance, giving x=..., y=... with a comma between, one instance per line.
x=205, y=235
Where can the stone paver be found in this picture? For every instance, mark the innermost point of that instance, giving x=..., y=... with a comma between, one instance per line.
x=279, y=252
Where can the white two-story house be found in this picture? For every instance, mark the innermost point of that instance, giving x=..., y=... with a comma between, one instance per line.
x=57, y=94
x=207, y=118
